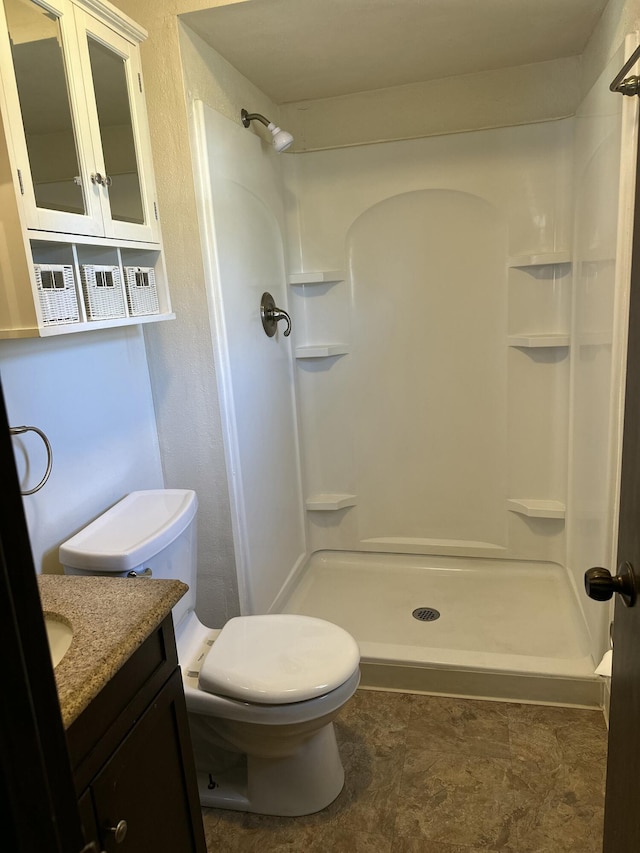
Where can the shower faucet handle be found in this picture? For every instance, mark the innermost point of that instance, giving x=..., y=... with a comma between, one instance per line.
x=270, y=315
x=278, y=314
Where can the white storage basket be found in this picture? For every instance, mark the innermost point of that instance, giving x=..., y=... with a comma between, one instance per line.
x=57, y=294
x=103, y=294
x=142, y=294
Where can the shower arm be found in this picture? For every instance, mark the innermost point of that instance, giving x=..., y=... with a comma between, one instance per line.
x=247, y=118
x=282, y=139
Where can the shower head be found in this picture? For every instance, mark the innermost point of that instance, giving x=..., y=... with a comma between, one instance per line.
x=281, y=139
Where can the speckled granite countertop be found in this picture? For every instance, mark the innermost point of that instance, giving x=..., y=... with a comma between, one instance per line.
x=110, y=618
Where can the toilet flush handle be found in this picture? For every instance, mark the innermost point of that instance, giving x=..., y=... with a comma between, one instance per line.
x=145, y=573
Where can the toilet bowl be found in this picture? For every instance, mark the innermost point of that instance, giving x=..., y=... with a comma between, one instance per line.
x=261, y=693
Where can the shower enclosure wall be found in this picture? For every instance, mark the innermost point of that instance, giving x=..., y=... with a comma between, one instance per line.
x=442, y=431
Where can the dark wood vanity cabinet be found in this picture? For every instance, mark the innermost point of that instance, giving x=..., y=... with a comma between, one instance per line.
x=131, y=757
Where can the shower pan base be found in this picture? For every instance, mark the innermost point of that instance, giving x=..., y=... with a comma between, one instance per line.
x=507, y=630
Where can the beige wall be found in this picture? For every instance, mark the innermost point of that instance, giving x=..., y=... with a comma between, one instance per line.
x=181, y=357
x=180, y=353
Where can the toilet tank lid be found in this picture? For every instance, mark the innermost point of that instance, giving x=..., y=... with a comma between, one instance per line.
x=137, y=528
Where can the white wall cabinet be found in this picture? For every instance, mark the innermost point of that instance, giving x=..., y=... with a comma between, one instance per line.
x=76, y=174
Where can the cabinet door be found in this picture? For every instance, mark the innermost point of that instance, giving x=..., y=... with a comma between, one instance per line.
x=119, y=132
x=150, y=783
x=45, y=113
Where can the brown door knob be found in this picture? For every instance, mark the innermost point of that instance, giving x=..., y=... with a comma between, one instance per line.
x=600, y=584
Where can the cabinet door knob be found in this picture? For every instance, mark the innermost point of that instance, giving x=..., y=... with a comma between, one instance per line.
x=119, y=831
x=97, y=178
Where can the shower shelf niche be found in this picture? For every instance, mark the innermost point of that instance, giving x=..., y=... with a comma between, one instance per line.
x=322, y=277
x=541, y=259
x=596, y=338
x=534, y=508
x=330, y=501
x=538, y=341
x=322, y=350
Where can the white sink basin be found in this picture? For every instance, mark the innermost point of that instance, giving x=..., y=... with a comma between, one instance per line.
x=59, y=635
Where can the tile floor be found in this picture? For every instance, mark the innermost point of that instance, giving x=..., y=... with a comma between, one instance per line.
x=427, y=774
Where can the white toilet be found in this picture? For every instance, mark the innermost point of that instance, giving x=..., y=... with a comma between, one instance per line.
x=261, y=693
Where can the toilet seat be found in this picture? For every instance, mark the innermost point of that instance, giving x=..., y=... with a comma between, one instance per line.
x=278, y=659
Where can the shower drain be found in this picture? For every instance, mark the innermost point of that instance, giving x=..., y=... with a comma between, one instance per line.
x=426, y=614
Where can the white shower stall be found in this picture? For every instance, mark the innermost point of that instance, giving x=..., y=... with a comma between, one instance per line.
x=431, y=460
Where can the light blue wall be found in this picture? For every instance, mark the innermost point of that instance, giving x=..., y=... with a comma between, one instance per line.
x=90, y=393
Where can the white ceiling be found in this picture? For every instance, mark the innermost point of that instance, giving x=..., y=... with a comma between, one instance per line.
x=305, y=49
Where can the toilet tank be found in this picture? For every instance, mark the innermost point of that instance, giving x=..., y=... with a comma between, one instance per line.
x=153, y=530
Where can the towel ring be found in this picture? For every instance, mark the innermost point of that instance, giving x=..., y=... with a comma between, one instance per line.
x=21, y=429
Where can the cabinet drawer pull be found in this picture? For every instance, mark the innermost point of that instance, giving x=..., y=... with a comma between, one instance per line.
x=119, y=831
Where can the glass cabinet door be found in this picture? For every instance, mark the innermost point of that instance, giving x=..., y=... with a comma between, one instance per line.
x=120, y=136
x=53, y=174
x=109, y=75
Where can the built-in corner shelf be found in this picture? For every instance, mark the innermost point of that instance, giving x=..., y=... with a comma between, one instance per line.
x=536, y=508
x=321, y=350
x=329, y=501
x=597, y=258
x=541, y=259
x=596, y=338
x=321, y=277
x=538, y=341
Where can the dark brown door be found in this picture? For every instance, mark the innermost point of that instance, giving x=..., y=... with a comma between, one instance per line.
x=622, y=807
